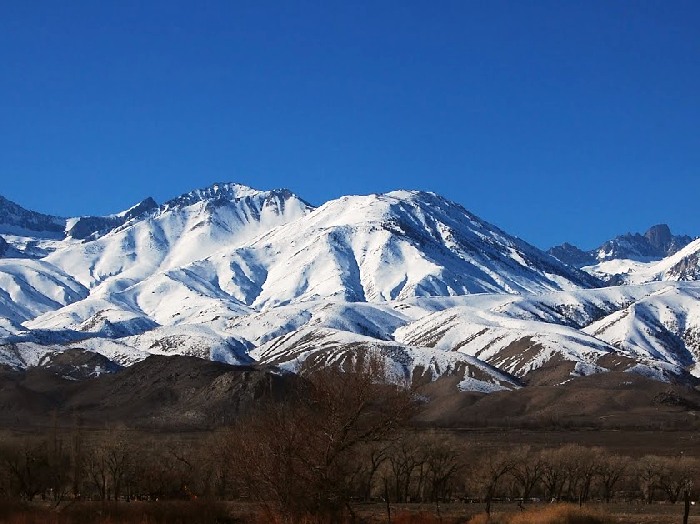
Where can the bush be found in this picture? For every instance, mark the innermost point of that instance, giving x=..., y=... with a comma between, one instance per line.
x=553, y=514
x=415, y=518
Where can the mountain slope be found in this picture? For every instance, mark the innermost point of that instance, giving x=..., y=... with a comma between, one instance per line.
x=386, y=247
x=521, y=335
x=15, y=220
x=29, y=288
x=91, y=227
x=177, y=233
x=221, y=252
x=172, y=392
x=544, y=338
x=664, y=326
x=684, y=265
x=317, y=347
x=658, y=242
x=29, y=234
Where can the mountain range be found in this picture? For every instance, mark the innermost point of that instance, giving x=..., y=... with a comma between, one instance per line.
x=657, y=243
x=247, y=277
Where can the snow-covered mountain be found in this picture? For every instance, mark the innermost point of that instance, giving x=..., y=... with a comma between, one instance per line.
x=229, y=250
x=683, y=265
x=384, y=247
x=663, y=325
x=177, y=233
x=29, y=288
x=520, y=335
x=28, y=234
x=91, y=227
x=235, y=274
x=658, y=242
x=14, y=219
x=6, y=249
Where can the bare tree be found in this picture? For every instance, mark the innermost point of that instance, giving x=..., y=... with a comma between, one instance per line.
x=97, y=472
x=611, y=469
x=581, y=464
x=217, y=458
x=108, y=461
x=490, y=471
x=77, y=452
x=554, y=475
x=527, y=471
x=404, y=458
x=443, y=459
x=28, y=466
x=676, y=476
x=302, y=454
x=647, y=471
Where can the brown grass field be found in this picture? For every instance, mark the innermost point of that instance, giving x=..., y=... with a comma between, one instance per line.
x=592, y=513
x=199, y=512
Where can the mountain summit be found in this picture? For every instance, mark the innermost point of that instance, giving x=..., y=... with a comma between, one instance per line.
x=92, y=227
x=14, y=219
x=658, y=242
x=392, y=246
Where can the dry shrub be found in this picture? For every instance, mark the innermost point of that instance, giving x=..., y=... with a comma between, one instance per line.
x=559, y=514
x=407, y=517
x=481, y=518
x=402, y=517
x=553, y=514
x=274, y=516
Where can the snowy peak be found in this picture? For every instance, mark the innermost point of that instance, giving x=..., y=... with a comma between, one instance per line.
x=213, y=197
x=91, y=227
x=34, y=235
x=572, y=255
x=683, y=265
x=139, y=209
x=229, y=192
x=147, y=240
x=660, y=237
x=216, y=191
x=657, y=243
x=14, y=219
x=395, y=246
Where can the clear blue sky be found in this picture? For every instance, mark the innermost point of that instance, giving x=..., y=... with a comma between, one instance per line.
x=555, y=120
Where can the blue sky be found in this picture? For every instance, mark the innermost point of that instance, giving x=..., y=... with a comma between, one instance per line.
x=557, y=121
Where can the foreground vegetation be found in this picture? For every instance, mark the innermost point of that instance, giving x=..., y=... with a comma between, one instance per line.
x=340, y=450
x=208, y=512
